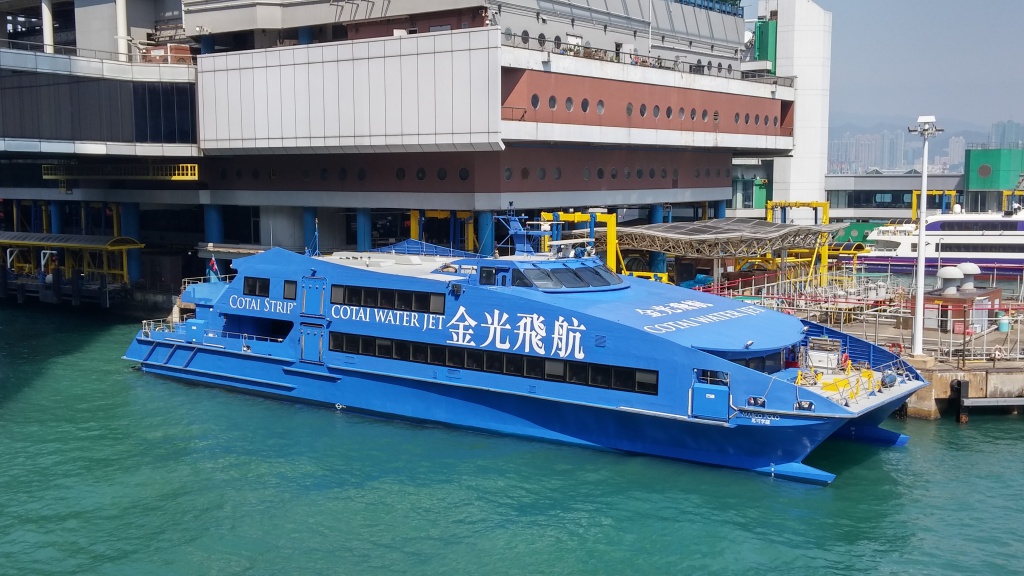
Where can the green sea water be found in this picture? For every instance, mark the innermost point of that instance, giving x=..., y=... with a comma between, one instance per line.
x=106, y=470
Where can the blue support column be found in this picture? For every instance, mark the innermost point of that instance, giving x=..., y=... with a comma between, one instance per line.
x=308, y=226
x=364, y=230
x=55, y=224
x=720, y=209
x=206, y=44
x=213, y=220
x=306, y=35
x=657, y=260
x=485, y=231
x=131, y=227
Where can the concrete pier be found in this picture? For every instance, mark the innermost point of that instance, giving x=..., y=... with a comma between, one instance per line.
x=1001, y=386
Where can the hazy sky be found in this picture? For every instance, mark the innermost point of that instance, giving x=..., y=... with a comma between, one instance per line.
x=955, y=59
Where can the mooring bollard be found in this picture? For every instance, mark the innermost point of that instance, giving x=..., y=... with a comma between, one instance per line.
x=961, y=392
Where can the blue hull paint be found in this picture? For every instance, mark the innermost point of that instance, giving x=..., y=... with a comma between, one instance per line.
x=672, y=354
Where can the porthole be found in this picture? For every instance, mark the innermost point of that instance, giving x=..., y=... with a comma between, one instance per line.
x=238, y=173
x=400, y=174
x=568, y=104
x=552, y=102
x=508, y=34
x=508, y=173
x=556, y=173
x=737, y=118
x=558, y=42
x=600, y=106
x=525, y=37
x=535, y=101
x=442, y=173
x=664, y=173
x=719, y=68
x=650, y=173
x=656, y=111
x=668, y=112
x=643, y=110
x=675, y=173
x=639, y=173
x=775, y=121
x=714, y=117
x=524, y=173
x=728, y=173
x=757, y=119
x=255, y=174
x=704, y=115
x=586, y=173
x=693, y=113
x=361, y=174
x=463, y=174
x=541, y=173
x=614, y=173
x=324, y=174
x=342, y=174
x=542, y=39
x=421, y=173
x=746, y=118
x=729, y=69
x=600, y=173
x=629, y=109
x=584, y=105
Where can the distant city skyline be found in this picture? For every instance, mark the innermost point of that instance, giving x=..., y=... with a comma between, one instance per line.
x=893, y=61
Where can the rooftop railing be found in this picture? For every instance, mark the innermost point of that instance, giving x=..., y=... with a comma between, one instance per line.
x=557, y=45
x=138, y=57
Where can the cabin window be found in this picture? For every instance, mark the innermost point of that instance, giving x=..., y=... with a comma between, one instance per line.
x=577, y=373
x=353, y=295
x=493, y=361
x=290, y=287
x=351, y=344
x=623, y=379
x=568, y=278
x=514, y=364
x=592, y=277
x=367, y=345
x=647, y=381
x=718, y=377
x=436, y=303
x=337, y=294
x=541, y=278
x=436, y=354
x=520, y=280
x=554, y=370
x=608, y=275
x=403, y=300
x=487, y=276
x=384, y=347
x=419, y=352
x=474, y=359
x=254, y=286
x=420, y=301
x=370, y=297
x=600, y=375
x=386, y=299
x=336, y=342
x=534, y=367
x=401, y=350
x=456, y=357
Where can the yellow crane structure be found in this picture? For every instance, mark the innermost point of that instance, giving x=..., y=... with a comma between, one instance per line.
x=916, y=195
x=821, y=249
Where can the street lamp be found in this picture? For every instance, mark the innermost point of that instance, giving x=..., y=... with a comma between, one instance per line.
x=927, y=129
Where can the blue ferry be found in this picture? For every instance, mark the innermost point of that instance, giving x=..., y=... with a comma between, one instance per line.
x=550, y=345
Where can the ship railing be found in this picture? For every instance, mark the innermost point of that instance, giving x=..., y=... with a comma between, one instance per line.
x=245, y=338
x=178, y=327
x=186, y=282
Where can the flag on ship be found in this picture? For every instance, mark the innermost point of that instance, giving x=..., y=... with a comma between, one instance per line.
x=212, y=273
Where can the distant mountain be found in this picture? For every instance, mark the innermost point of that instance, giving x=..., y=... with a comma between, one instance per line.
x=870, y=123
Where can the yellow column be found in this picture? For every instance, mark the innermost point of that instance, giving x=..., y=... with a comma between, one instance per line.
x=414, y=224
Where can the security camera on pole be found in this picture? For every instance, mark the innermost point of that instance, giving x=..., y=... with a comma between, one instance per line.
x=927, y=129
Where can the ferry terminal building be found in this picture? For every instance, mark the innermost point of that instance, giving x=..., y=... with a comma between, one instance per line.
x=252, y=123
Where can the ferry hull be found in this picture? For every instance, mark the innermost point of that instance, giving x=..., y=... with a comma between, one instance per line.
x=776, y=448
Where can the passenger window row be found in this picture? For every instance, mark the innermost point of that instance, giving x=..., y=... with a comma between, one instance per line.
x=386, y=298
x=536, y=367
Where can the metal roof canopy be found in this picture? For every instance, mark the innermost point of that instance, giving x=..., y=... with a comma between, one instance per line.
x=723, y=238
x=68, y=241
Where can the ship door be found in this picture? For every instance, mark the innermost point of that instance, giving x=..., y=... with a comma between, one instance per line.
x=710, y=395
x=312, y=342
x=314, y=294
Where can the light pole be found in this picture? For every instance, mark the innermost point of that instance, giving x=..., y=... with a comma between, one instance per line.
x=650, y=25
x=927, y=129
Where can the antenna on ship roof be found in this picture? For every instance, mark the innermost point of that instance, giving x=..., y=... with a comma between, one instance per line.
x=314, y=246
